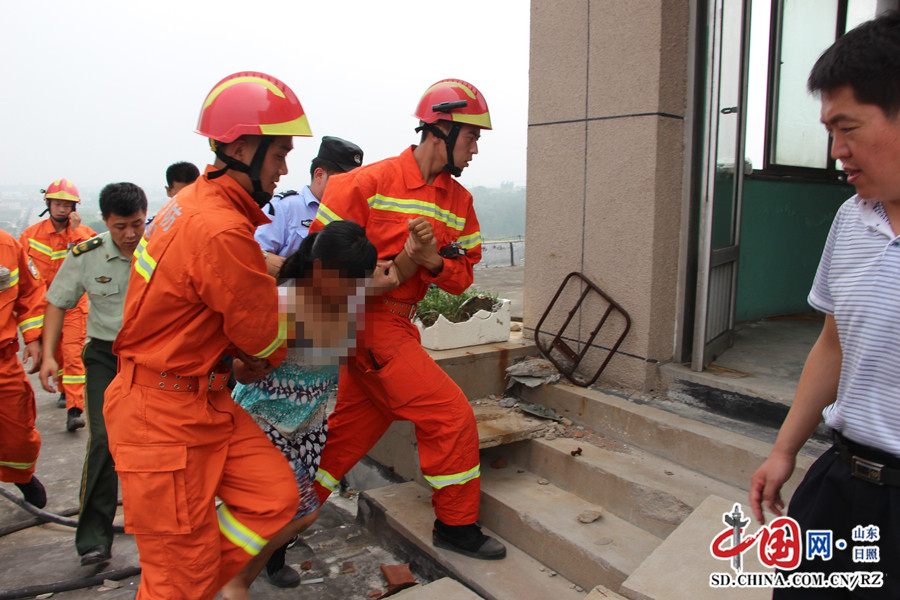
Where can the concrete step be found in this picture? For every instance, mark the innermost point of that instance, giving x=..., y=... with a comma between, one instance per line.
x=720, y=454
x=601, y=592
x=650, y=492
x=403, y=512
x=542, y=519
x=680, y=567
x=762, y=401
x=443, y=588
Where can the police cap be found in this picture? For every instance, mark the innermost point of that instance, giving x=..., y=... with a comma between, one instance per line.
x=342, y=155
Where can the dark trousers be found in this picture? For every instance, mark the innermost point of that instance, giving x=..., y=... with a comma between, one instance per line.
x=99, y=483
x=830, y=498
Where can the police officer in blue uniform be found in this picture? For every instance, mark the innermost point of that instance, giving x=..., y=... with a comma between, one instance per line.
x=293, y=212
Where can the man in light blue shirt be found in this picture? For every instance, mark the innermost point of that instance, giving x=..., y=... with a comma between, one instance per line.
x=292, y=212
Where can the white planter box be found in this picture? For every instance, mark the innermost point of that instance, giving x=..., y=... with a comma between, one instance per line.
x=483, y=328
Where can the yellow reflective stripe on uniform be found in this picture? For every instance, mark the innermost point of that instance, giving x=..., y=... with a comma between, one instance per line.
x=14, y=277
x=72, y=379
x=144, y=264
x=31, y=323
x=326, y=480
x=272, y=347
x=417, y=207
x=440, y=481
x=470, y=241
x=45, y=249
x=238, y=533
x=325, y=215
x=16, y=465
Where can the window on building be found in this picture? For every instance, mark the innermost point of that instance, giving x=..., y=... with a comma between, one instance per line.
x=784, y=135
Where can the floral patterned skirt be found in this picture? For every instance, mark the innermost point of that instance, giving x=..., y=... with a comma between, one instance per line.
x=303, y=449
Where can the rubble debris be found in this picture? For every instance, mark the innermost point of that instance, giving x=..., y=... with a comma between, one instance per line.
x=539, y=411
x=515, y=326
x=550, y=436
x=507, y=402
x=43, y=596
x=578, y=434
x=667, y=472
x=589, y=516
x=398, y=577
x=499, y=463
x=348, y=567
x=315, y=580
x=306, y=565
x=576, y=452
x=532, y=372
x=543, y=481
x=567, y=421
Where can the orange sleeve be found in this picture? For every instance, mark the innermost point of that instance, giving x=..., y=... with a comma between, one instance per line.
x=345, y=199
x=457, y=273
x=30, y=303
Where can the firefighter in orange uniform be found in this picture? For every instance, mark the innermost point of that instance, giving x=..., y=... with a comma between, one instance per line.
x=412, y=208
x=47, y=242
x=198, y=290
x=21, y=304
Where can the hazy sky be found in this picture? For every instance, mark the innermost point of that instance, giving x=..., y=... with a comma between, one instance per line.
x=101, y=90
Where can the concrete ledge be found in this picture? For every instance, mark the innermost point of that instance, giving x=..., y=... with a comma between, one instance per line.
x=603, y=593
x=406, y=510
x=720, y=454
x=444, y=588
x=680, y=568
x=645, y=490
x=542, y=520
x=481, y=370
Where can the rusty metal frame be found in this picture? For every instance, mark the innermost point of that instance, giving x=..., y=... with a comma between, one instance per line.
x=560, y=345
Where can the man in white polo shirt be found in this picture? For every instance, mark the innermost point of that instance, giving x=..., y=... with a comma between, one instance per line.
x=852, y=374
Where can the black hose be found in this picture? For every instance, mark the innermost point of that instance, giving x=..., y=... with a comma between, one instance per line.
x=33, y=522
x=69, y=584
x=44, y=515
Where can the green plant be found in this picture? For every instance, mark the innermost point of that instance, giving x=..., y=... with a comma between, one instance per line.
x=454, y=308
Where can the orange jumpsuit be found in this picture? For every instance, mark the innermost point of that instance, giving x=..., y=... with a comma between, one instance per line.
x=392, y=377
x=22, y=304
x=48, y=248
x=198, y=289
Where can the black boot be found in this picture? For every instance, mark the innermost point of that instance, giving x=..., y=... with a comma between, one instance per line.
x=279, y=573
x=468, y=540
x=96, y=555
x=61, y=401
x=34, y=492
x=74, y=419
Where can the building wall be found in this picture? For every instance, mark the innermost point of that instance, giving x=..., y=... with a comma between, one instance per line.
x=606, y=142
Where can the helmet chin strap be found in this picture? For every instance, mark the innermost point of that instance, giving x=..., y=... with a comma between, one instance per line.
x=260, y=196
x=449, y=143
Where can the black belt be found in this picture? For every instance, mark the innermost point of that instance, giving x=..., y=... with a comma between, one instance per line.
x=868, y=463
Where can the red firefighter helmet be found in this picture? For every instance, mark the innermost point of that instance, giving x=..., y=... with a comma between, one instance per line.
x=62, y=189
x=251, y=103
x=454, y=100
